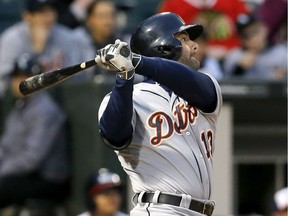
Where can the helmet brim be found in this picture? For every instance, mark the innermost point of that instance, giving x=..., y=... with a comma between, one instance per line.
x=194, y=31
x=102, y=187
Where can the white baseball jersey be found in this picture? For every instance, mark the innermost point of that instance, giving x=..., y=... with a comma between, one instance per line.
x=172, y=145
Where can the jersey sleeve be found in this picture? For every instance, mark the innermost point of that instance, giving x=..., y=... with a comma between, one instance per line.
x=212, y=117
x=193, y=86
x=115, y=115
x=219, y=96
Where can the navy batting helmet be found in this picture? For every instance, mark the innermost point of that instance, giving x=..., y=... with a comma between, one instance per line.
x=99, y=182
x=155, y=36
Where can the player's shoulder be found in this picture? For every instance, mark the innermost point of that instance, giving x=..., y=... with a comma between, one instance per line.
x=218, y=94
x=214, y=80
x=146, y=84
x=142, y=85
x=149, y=87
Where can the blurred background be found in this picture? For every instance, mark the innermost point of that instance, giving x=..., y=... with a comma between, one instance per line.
x=244, y=47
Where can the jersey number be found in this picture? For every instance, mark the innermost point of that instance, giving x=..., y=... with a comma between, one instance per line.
x=207, y=140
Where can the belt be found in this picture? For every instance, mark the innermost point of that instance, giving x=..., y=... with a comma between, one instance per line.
x=205, y=208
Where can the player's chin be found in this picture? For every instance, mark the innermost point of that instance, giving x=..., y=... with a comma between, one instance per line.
x=194, y=63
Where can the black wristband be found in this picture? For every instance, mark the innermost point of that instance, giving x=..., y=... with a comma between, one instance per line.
x=126, y=74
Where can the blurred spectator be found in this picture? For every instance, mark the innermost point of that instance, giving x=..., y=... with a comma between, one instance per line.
x=33, y=145
x=103, y=194
x=37, y=34
x=100, y=29
x=274, y=14
x=208, y=64
x=74, y=14
x=254, y=59
x=217, y=16
x=280, y=201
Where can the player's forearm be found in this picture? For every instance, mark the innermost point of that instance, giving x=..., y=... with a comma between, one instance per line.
x=195, y=87
x=115, y=123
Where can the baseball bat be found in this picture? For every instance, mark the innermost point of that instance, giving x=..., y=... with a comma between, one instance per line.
x=48, y=79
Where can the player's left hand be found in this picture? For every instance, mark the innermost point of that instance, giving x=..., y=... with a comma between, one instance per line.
x=101, y=59
x=120, y=56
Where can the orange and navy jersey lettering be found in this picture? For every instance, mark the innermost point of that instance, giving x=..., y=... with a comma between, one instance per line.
x=164, y=125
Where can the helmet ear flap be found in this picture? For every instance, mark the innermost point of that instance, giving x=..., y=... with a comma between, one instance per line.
x=169, y=52
x=169, y=47
x=164, y=50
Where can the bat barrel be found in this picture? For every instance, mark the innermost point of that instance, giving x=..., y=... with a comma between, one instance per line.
x=49, y=79
x=26, y=87
x=38, y=82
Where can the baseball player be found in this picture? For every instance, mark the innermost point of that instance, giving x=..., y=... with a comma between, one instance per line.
x=162, y=129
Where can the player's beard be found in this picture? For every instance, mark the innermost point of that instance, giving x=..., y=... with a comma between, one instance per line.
x=191, y=62
x=194, y=63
